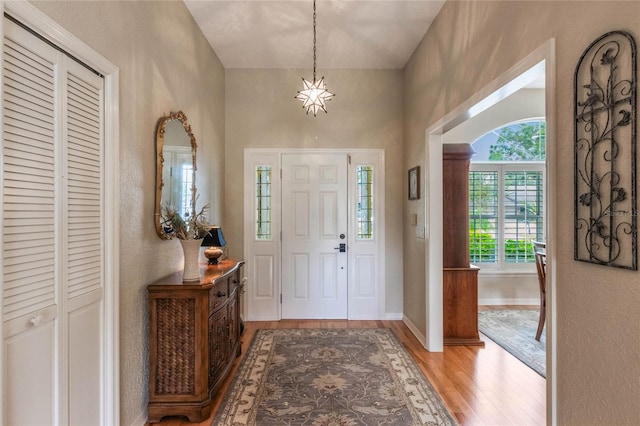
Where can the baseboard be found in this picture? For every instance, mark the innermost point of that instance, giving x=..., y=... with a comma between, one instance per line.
x=421, y=337
x=249, y=318
x=503, y=301
x=387, y=317
x=141, y=420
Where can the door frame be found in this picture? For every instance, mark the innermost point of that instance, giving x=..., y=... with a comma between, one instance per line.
x=261, y=300
x=38, y=21
x=540, y=61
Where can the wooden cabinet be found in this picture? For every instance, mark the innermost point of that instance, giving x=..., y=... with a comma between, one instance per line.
x=460, y=279
x=460, y=313
x=194, y=338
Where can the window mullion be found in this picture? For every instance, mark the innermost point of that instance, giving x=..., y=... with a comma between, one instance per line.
x=501, y=214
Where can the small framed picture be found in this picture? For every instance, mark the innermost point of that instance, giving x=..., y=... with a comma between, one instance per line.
x=414, y=183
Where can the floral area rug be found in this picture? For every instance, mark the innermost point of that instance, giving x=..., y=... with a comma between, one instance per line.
x=322, y=377
x=515, y=331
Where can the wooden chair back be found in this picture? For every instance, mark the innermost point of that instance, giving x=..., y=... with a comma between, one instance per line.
x=539, y=250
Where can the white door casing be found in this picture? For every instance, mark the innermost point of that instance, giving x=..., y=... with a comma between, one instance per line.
x=537, y=63
x=365, y=268
x=314, y=216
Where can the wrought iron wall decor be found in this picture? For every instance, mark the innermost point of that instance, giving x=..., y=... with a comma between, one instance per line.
x=605, y=152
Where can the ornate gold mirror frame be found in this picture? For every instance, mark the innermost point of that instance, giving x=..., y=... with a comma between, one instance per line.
x=175, y=168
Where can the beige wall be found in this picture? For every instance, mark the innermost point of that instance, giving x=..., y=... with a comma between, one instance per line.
x=598, y=320
x=261, y=112
x=165, y=65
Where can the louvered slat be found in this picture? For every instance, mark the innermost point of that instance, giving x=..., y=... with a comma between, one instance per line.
x=83, y=144
x=15, y=107
x=83, y=127
x=35, y=64
x=29, y=185
x=84, y=263
x=25, y=147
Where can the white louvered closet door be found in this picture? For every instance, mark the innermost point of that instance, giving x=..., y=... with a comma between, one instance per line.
x=52, y=235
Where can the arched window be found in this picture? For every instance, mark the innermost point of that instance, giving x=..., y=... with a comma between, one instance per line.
x=506, y=195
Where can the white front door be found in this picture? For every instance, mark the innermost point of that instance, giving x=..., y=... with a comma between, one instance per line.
x=314, y=224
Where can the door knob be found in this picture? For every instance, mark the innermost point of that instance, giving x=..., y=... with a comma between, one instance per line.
x=342, y=247
x=37, y=320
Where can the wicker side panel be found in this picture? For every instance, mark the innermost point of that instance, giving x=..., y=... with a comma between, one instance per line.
x=176, y=346
x=218, y=344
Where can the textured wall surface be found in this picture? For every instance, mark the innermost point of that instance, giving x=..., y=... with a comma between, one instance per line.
x=261, y=112
x=598, y=315
x=165, y=65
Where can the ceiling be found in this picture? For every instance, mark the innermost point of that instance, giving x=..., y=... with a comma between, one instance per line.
x=351, y=34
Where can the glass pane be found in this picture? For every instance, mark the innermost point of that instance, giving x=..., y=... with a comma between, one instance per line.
x=522, y=215
x=524, y=141
x=186, y=190
x=263, y=202
x=483, y=216
x=364, y=195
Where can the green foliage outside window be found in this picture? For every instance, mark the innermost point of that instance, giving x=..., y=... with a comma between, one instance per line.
x=522, y=142
x=484, y=249
x=518, y=251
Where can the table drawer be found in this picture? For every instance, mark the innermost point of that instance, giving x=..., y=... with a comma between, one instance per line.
x=218, y=293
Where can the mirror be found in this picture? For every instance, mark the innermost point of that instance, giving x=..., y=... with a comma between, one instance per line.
x=175, y=169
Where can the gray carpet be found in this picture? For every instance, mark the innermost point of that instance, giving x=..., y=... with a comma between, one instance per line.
x=322, y=377
x=515, y=331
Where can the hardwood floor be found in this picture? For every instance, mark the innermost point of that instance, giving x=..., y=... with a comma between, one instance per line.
x=479, y=386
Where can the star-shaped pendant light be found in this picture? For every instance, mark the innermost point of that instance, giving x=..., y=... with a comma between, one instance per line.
x=315, y=94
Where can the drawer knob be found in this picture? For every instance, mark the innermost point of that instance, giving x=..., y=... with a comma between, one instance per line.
x=221, y=294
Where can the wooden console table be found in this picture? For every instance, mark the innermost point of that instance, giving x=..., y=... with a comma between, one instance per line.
x=194, y=339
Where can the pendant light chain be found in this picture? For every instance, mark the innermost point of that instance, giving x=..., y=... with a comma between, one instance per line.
x=314, y=40
x=314, y=95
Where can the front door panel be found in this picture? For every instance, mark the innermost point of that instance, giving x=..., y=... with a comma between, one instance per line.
x=314, y=216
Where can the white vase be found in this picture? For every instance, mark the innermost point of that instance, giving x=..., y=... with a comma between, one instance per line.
x=191, y=250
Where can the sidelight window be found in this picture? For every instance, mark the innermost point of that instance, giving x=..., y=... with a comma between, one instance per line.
x=263, y=203
x=364, y=210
